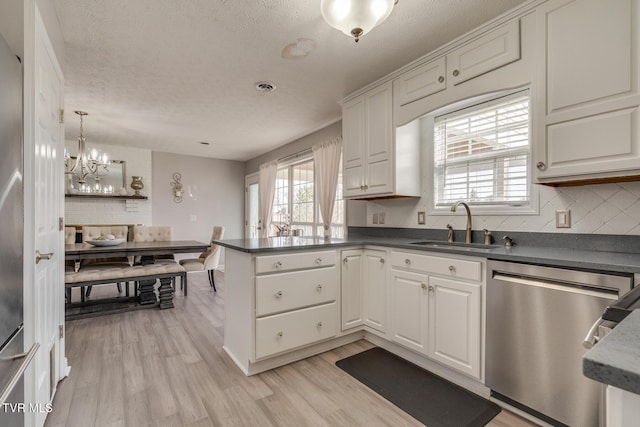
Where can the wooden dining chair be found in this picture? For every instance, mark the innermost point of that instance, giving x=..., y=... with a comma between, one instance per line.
x=208, y=260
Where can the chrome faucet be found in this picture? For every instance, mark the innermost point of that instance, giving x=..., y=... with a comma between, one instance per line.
x=466, y=206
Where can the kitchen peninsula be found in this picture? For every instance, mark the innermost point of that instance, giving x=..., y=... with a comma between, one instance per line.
x=291, y=297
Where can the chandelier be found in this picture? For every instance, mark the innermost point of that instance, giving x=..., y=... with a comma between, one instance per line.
x=92, y=164
x=356, y=17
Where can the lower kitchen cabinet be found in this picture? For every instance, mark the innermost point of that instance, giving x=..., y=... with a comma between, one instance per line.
x=409, y=299
x=374, y=285
x=455, y=324
x=351, y=284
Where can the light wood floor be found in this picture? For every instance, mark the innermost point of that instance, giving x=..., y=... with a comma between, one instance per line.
x=167, y=368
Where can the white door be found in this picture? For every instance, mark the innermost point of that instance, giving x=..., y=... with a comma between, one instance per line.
x=351, y=282
x=251, y=202
x=48, y=292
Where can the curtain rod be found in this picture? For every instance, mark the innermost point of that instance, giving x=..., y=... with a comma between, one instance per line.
x=293, y=156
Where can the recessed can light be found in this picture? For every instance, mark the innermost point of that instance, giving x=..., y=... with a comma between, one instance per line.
x=265, y=87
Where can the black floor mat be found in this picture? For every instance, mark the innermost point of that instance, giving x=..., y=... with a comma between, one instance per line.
x=428, y=398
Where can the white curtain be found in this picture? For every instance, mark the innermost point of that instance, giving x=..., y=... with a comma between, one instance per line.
x=326, y=157
x=267, y=189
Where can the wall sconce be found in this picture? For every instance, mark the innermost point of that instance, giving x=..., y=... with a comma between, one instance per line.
x=177, y=187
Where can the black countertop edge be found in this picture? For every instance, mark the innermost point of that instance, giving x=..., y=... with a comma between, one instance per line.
x=614, y=360
x=615, y=262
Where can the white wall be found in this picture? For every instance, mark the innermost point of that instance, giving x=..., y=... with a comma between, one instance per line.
x=217, y=187
x=113, y=211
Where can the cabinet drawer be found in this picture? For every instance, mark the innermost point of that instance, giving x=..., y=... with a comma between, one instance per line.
x=443, y=266
x=282, y=332
x=288, y=291
x=295, y=261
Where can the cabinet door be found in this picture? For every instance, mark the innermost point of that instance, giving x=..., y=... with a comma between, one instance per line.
x=409, y=298
x=374, y=284
x=588, y=101
x=493, y=50
x=420, y=82
x=353, y=134
x=455, y=324
x=378, y=171
x=352, y=299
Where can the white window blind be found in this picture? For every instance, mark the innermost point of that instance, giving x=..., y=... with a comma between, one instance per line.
x=481, y=153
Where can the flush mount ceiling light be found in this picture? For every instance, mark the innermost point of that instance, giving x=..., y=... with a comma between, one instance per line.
x=265, y=87
x=356, y=17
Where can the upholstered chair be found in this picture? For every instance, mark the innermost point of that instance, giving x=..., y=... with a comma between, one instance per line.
x=69, y=239
x=207, y=260
x=93, y=233
x=143, y=233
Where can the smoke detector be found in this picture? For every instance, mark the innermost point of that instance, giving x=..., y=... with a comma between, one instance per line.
x=265, y=87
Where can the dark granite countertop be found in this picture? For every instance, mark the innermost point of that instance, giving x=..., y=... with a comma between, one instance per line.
x=615, y=360
x=619, y=262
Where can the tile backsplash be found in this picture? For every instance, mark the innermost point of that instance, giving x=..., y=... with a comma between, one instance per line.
x=595, y=209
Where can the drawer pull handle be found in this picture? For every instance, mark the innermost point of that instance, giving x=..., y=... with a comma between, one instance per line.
x=279, y=294
x=452, y=269
x=280, y=334
x=381, y=260
x=407, y=261
x=319, y=288
x=318, y=260
x=423, y=286
x=278, y=265
x=319, y=325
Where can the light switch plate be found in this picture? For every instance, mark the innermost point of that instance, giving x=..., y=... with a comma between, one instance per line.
x=375, y=218
x=563, y=218
x=421, y=218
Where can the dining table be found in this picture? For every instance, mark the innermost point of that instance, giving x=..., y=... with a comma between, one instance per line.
x=143, y=252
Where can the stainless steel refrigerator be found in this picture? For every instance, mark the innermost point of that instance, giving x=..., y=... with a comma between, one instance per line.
x=13, y=359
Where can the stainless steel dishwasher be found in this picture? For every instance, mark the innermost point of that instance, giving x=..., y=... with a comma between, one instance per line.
x=536, y=321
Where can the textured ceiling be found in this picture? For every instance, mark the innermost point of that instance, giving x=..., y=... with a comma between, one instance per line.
x=166, y=74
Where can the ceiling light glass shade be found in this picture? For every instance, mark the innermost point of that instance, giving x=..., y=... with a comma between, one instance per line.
x=356, y=17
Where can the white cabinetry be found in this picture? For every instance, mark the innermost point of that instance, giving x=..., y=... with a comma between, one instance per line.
x=588, y=100
x=486, y=53
x=295, y=300
x=351, y=284
x=454, y=324
x=375, y=290
x=369, y=168
x=437, y=308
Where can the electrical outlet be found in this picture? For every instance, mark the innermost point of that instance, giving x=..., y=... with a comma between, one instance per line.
x=375, y=218
x=381, y=217
x=563, y=218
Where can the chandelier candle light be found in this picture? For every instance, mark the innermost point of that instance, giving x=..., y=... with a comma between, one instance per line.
x=92, y=164
x=356, y=17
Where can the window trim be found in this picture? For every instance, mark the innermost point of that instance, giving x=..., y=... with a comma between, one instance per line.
x=503, y=209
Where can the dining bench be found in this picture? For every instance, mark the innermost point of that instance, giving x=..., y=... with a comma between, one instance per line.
x=166, y=271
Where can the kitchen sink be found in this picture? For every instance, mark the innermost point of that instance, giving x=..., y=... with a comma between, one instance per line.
x=454, y=245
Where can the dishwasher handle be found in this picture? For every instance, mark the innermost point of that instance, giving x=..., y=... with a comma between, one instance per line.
x=606, y=293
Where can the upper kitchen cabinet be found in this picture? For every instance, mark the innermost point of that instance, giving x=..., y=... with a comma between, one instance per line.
x=588, y=99
x=372, y=154
x=486, y=53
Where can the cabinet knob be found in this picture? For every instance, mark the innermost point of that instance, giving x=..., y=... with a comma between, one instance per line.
x=440, y=79
x=362, y=188
x=423, y=286
x=407, y=261
x=318, y=260
x=366, y=187
x=319, y=324
x=345, y=260
x=279, y=294
x=541, y=166
x=456, y=73
x=319, y=288
x=431, y=288
x=280, y=334
x=381, y=260
x=277, y=265
x=452, y=269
